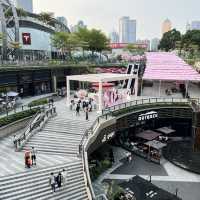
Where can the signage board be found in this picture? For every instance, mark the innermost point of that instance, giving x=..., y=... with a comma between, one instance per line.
x=148, y=116
x=26, y=38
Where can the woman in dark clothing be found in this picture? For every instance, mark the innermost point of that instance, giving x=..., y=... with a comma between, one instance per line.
x=59, y=180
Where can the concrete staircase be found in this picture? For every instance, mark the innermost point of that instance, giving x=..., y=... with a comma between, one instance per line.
x=34, y=185
x=59, y=136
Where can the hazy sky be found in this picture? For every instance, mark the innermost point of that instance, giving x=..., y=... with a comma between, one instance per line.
x=105, y=14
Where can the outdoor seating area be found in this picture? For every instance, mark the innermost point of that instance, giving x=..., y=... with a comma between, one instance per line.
x=162, y=69
x=8, y=101
x=148, y=144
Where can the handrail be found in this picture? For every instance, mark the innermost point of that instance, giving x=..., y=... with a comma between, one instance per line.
x=149, y=101
x=109, y=113
x=38, y=118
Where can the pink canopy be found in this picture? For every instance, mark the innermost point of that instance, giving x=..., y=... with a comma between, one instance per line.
x=168, y=67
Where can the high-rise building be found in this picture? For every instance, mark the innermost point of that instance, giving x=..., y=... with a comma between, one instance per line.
x=154, y=44
x=127, y=30
x=63, y=20
x=80, y=24
x=188, y=26
x=195, y=25
x=166, y=26
x=27, y=5
x=114, y=37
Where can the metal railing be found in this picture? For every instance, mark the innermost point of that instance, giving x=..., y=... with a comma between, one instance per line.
x=108, y=114
x=148, y=101
x=38, y=119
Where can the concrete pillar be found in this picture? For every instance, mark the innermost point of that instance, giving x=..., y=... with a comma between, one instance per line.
x=68, y=91
x=141, y=88
x=136, y=87
x=100, y=96
x=186, y=88
x=54, y=84
x=159, y=90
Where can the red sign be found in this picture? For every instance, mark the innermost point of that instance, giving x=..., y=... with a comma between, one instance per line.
x=124, y=45
x=26, y=37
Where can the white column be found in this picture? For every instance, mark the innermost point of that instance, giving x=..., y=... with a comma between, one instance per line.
x=68, y=90
x=159, y=91
x=141, y=87
x=186, y=88
x=54, y=84
x=100, y=96
x=136, y=87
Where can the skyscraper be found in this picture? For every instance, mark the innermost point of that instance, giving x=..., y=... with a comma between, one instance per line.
x=195, y=25
x=80, y=24
x=166, y=26
x=63, y=20
x=127, y=30
x=114, y=37
x=27, y=5
x=154, y=44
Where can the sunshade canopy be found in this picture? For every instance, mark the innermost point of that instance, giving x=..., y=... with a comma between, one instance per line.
x=168, y=67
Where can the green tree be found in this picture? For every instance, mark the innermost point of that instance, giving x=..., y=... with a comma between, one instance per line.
x=95, y=40
x=66, y=42
x=47, y=18
x=135, y=49
x=169, y=39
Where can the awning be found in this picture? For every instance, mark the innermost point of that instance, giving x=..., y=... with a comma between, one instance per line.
x=168, y=67
x=148, y=135
x=12, y=94
x=156, y=144
x=166, y=130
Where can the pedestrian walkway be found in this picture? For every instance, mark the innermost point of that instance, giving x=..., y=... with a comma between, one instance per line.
x=57, y=148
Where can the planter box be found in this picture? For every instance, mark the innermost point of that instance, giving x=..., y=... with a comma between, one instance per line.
x=14, y=127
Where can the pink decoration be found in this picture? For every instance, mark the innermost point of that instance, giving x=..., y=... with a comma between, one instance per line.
x=168, y=67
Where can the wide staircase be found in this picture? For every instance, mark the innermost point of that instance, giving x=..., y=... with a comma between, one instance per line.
x=60, y=136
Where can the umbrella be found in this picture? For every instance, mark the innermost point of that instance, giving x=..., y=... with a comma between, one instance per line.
x=12, y=94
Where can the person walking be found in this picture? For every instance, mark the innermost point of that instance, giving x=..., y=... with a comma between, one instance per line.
x=86, y=114
x=27, y=158
x=64, y=175
x=33, y=156
x=59, y=180
x=52, y=182
x=77, y=109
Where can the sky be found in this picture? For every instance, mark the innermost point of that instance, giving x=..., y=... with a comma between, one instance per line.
x=105, y=14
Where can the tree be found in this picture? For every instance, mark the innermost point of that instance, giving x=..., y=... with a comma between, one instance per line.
x=96, y=40
x=135, y=49
x=169, y=39
x=47, y=18
x=66, y=42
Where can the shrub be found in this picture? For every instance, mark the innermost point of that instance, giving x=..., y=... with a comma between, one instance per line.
x=17, y=116
x=38, y=102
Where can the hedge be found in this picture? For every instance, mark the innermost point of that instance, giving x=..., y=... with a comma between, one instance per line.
x=17, y=116
x=38, y=102
x=99, y=169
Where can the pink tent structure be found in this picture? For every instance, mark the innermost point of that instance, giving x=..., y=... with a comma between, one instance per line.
x=162, y=66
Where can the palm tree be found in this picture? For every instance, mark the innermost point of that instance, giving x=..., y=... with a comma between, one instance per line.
x=47, y=18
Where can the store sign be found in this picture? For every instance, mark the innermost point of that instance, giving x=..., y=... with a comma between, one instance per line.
x=108, y=137
x=26, y=37
x=148, y=116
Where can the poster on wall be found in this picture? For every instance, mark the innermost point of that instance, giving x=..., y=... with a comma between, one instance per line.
x=26, y=37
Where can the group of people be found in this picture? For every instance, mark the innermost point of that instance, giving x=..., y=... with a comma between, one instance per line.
x=58, y=180
x=30, y=157
x=86, y=106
